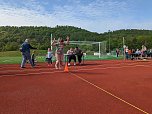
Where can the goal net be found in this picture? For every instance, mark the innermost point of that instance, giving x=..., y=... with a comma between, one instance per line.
x=90, y=47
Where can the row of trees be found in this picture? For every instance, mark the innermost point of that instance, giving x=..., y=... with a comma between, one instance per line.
x=12, y=37
x=133, y=38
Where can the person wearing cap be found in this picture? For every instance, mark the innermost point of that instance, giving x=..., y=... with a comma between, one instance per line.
x=59, y=51
x=25, y=49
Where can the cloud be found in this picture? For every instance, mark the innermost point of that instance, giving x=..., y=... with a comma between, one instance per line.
x=96, y=16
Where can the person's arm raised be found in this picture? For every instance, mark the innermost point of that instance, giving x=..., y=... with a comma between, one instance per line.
x=54, y=42
x=68, y=39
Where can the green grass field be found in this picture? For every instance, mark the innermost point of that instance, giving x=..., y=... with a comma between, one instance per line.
x=15, y=57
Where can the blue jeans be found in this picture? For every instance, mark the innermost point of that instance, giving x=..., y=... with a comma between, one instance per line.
x=26, y=56
x=127, y=55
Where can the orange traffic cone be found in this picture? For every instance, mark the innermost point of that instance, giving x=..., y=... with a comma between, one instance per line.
x=66, y=68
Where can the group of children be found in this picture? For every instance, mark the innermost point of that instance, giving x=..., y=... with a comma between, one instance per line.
x=71, y=54
x=59, y=53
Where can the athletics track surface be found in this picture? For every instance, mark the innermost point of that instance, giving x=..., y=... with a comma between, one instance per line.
x=97, y=87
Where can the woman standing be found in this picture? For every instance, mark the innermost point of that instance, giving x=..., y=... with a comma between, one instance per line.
x=59, y=54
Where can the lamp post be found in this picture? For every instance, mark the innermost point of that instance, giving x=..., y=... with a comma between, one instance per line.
x=109, y=41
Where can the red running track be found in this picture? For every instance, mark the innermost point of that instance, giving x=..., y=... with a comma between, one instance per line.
x=97, y=87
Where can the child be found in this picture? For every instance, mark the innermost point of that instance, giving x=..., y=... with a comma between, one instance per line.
x=117, y=52
x=49, y=56
x=71, y=55
x=33, y=58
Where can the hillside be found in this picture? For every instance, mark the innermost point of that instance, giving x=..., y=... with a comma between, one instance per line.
x=12, y=37
x=133, y=38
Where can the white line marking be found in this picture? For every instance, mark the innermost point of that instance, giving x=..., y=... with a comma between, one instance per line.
x=94, y=68
x=109, y=93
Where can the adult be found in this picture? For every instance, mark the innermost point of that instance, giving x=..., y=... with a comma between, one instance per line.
x=133, y=55
x=59, y=54
x=25, y=49
x=117, y=52
x=126, y=52
x=144, y=50
x=138, y=53
x=79, y=54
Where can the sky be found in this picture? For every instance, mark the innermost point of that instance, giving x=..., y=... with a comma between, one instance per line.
x=93, y=15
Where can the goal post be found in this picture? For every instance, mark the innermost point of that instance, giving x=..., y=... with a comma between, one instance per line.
x=99, y=48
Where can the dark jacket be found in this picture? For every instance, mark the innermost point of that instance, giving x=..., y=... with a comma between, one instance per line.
x=25, y=47
x=78, y=52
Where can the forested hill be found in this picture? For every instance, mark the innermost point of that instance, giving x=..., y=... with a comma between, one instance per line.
x=133, y=38
x=12, y=37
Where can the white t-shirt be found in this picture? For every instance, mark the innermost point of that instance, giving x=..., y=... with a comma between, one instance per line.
x=126, y=50
x=49, y=54
x=70, y=52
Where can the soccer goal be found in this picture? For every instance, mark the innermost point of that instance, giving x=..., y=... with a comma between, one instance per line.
x=91, y=47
